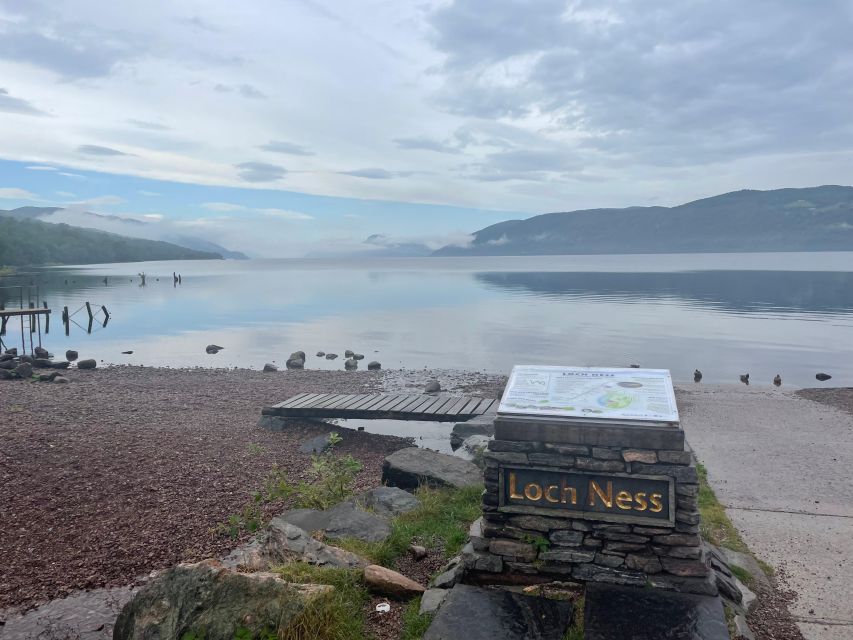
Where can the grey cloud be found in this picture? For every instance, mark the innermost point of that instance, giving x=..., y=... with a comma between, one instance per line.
x=684, y=83
x=150, y=126
x=277, y=146
x=427, y=144
x=71, y=50
x=11, y=104
x=375, y=173
x=98, y=150
x=199, y=23
x=260, y=171
x=245, y=90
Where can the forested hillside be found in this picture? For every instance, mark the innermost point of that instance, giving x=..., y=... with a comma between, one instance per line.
x=30, y=242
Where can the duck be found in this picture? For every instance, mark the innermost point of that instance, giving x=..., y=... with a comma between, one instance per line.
x=777, y=380
x=823, y=377
x=697, y=376
x=745, y=378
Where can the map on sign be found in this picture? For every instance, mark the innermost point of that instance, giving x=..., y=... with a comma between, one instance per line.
x=591, y=393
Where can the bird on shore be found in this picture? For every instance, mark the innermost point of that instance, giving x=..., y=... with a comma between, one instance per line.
x=777, y=380
x=823, y=377
x=745, y=378
x=697, y=376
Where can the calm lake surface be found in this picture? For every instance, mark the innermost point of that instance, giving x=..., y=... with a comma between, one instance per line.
x=726, y=314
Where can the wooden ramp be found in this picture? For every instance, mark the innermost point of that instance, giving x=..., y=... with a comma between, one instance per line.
x=386, y=406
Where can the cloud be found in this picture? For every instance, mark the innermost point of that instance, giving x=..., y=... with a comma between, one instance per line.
x=277, y=146
x=376, y=173
x=66, y=194
x=14, y=193
x=245, y=90
x=223, y=206
x=100, y=201
x=426, y=144
x=41, y=167
x=149, y=194
x=286, y=214
x=11, y=104
x=149, y=126
x=97, y=150
x=260, y=171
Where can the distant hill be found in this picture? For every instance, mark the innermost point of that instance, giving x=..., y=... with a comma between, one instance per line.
x=125, y=226
x=811, y=219
x=32, y=242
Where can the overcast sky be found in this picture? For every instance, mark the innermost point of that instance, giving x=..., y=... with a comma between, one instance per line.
x=297, y=117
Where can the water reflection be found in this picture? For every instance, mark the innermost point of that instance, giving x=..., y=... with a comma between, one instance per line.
x=802, y=292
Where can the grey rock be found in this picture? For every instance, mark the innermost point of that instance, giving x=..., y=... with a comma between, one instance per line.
x=472, y=448
x=565, y=555
x=42, y=363
x=87, y=364
x=295, y=363
x=299, y=355
x=5, y=374
x=431, y=600
x=358, y=356
x=331, y=356
x=350, y=364
x=747, y=562
x=41, y=353
x=8, y=364
x=451, y=573
x=418, y=552
x=432, y=386
x=71, y=355
x=347, y=520
x=61, y=380
x=61, y=364
x=273, y=423
x=321, y=354
x=473, y=612
x=25, y=358
x=6, y=356
x=24, y=370
x=475, y=535
x=479, y=426
x=213, y=602
x=48, y=377
x=390, y=583
x=567, y=538
x=317, y=444
x=409, y=468
x=388, y=501
x=212, y=348
x=349, y=353
x=12, y=352
x=270, y=368
x=634, y=613
x=742, y=629
x=373, y=366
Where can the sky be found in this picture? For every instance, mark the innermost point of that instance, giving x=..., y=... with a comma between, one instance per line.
x=280, y=128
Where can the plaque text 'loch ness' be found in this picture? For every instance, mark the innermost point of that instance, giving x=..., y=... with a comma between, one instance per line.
x=612, y=497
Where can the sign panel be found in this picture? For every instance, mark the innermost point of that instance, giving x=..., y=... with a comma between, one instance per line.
x=591, y=393
x=571, y=493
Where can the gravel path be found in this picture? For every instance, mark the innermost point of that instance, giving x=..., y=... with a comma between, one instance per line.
x=129, y=469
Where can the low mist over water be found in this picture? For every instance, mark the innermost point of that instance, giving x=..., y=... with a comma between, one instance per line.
x=725, y=314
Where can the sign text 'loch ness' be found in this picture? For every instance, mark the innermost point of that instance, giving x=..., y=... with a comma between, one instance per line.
x=618, y=497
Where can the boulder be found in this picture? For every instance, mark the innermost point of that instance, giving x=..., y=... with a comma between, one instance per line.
x=42, y=363
x=8, y=364
x=12, y=352
x=41, y=352
x=358, y=356
x=6, y=356
x=432, y=386
x=418, y=552
x=213, y=348
x=270, y=368
x=349, y=353
x=431, y=600
x=24, y=370
x=71, y=355
x=351, y=364
x=61, y=380
x=388, y=501
x=472, y=448
x=480, y=426
x=87, y=364
x=61, y=364
x=298, y=355
x=331, y=356
x=295, y=363
x=611, y=610
x=321, y=354
x=316, y=445
x=373, y=366
x=207, y=600
x=390, y=583
x=25, y=358
x=5, y=374
x=474, y=612
x=48, y=377
x=345, y=520
x=411, y=467
x=283, y=542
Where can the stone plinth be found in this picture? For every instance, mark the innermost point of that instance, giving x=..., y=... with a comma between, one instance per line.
x=591, y=502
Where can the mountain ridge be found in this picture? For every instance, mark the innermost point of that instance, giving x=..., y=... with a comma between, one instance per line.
x=790, y=219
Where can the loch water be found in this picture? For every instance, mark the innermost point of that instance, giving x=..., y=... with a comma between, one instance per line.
x=726, y=314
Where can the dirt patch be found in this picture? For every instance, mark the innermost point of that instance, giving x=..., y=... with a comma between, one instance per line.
x=838, y=397
x=771, y=620
x=129, y=469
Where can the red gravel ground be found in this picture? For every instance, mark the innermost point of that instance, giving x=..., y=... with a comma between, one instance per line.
x=130, y=469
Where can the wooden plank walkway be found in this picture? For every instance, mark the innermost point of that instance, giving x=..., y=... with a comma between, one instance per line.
x=386, y=406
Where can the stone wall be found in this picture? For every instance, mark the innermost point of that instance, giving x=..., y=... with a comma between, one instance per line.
x=526, y=544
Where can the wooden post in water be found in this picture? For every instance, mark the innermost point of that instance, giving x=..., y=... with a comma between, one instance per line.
x=46, y=318
x=89, y=311
x=66, y=320
x=32, y=318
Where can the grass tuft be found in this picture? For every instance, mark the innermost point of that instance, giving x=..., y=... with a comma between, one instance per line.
x=414, y=625
x=575, y=632
x=716, y=526
x=336, y=616
x=441, y=522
